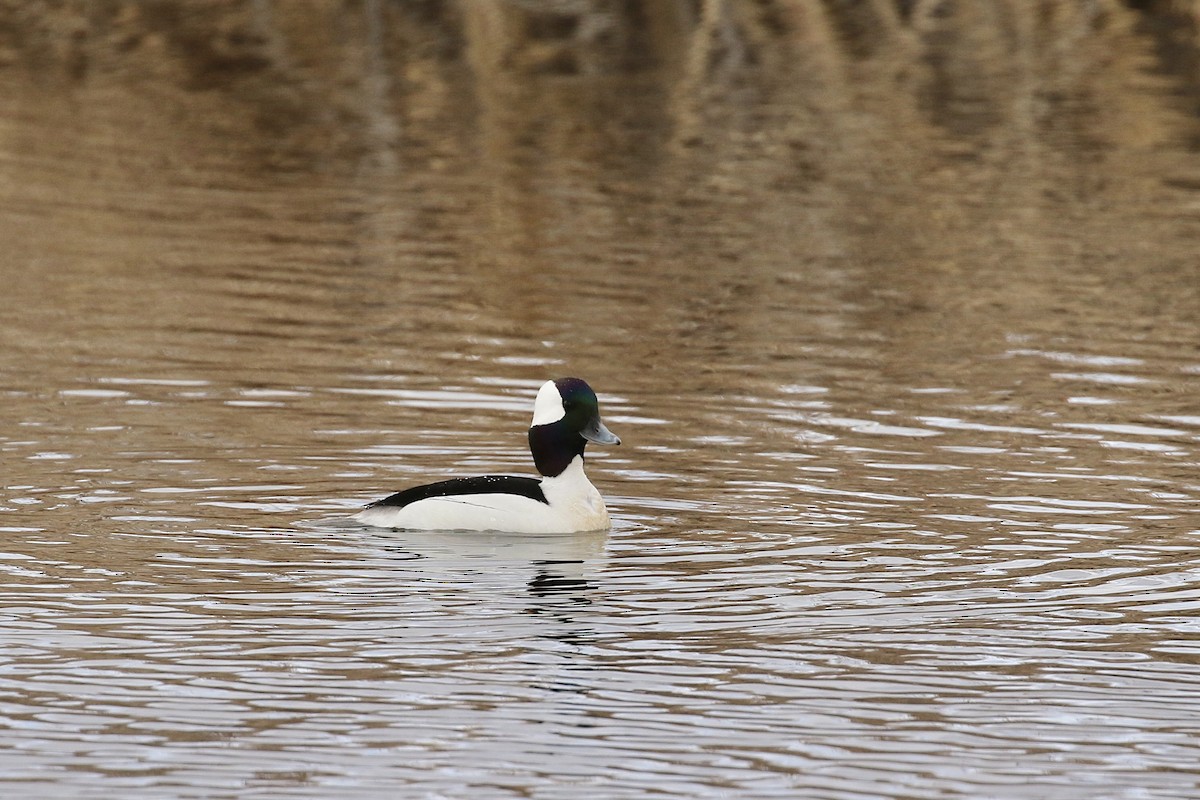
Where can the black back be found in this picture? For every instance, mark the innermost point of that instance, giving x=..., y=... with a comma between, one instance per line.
x=482, y=484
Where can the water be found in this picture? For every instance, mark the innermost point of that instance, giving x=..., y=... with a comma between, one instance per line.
x=895, y=311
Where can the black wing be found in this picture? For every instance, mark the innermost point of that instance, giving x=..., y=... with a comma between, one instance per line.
x=483, y=484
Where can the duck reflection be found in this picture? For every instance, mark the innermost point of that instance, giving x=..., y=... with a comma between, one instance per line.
x=559, y=591
x=552, y=579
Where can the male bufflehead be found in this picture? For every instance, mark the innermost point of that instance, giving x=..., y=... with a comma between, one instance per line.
x=566, y=416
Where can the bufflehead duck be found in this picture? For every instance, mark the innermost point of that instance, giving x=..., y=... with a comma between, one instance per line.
x=566, y=416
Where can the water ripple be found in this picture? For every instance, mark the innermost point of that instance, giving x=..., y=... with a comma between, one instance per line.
x=905, y=506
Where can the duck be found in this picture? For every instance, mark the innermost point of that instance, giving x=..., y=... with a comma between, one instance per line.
x=566, y=417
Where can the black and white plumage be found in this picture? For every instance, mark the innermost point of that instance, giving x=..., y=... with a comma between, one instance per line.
x=566, y=416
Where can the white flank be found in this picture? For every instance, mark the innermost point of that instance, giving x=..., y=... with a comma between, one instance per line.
x=548, y=407
x=574, y=506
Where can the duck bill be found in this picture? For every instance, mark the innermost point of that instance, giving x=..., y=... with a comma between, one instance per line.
x=596, y=432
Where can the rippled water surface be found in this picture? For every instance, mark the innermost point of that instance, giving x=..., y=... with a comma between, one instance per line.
x=895, y=306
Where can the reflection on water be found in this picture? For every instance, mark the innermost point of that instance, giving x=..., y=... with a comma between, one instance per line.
x=896, y=302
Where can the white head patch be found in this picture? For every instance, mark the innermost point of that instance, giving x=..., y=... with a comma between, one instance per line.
x=548, y=407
